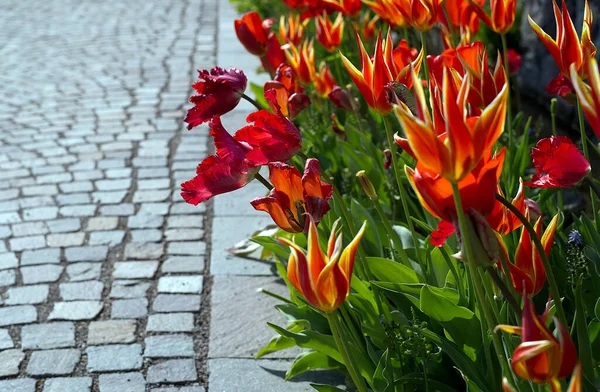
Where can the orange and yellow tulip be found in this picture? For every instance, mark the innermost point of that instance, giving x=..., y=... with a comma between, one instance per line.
x=541, y=357
x=302, y=61
x=368, y=24
x=346, y=7
x=527, y=272
x=388, y=65
x=567, y=49
x=323, y=278
x=291, y=29
x=391, y=11
x=453, y=143
x=329, y=34
x=323, y=80
x=502, y=16
x=422, y=14
x=589, y=95
x=501, y=219
x=458, y=17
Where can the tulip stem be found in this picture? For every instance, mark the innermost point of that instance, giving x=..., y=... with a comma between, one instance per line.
x=505, y=291
x=479, y=292
x=263, y=181
x=425, y=64
x=542, y=253
x=252, y=101
x=586, y=154
x=403, y=194
x=508, y=105
x=334, y=324
x=554, y=132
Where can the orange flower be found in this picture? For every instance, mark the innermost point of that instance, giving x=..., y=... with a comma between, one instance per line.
x=284, y=94
x=324, y=80
x=291, y=29
x=501, y=219
x=541, y=357
x=323, y=279
x=502, y=15
x=329, y=34
x=387, y=65
x=295, y=198
x=391, y=11
x=368, y=24
x=568, y=49
x=346, y=7
x=528, y=273
x=477, y=188
x=589, y=96
x=452, y=144
x=422, y=14
x=253, y=32
x=302, y=61
x=457, y=17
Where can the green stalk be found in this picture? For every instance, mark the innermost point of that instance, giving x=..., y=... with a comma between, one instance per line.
x=263, y=181
x=425, y=65
x=554, y=132
x=586, y=154
x=334, y=324
x=489, y=292
x=403, y=194
x=479, y=292
x=252, y=101
x=461, y=293
x=540, y=249
x=392, y=233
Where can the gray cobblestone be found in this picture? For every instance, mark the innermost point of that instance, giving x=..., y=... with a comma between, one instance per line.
x=175, y=370
x=71, y=384
x=122, y=382
x=86, y=253
x=53, y=362
x=176, y=303
x=29, y=228
x=146, y=235
x=114, y=357
x=64, y=225
x=45, y=336
x=26, y=295
x=8, y=260
x=135, y=270
x=111, y=331
x=13, y=315
x=170, y=322
x=180, y=284
x=65, y=239
x=42, y=256
x=9, y=363
x=83, y=271
x=41, y=273
x=102, y=223
x=129, y=308
x=144, y=251
x=169, y=346
x=25, y=243
x=90, y=290
x=19, y=385
x=76, y=310
x=5, y=340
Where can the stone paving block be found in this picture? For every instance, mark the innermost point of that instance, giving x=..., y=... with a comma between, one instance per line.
x=29, y=228
x=64, y=225
x=114, y=357
x=24, y=243
x=19, y=385
x=166, y=303
x=78, y=210
x=144, y=221
x=230, y=316
x=146, y=235
x=174, y=370
x=154, y=208
x=73, y=199
x=129, y=289
x=86, y=253
x=263, y=375
x=110, y=238
x=184, y=221
x=187, y=209
x=169, y=346
x=5, y=232
x=90, y=290
x=144, y=250
x=9, y=363
x=170, y=322
x=26, y=295
x=8, y=277
x=129, y=308
x=75, y=310
x=10, y=217
x=186, y=248
x=102, y=223
x=42, y=256
x=135, y=270
x=111, y=331
x=122, y=382
x=117, y=210
x=5, y=340
x=180, y=284
x=83, y=271
x=63, y=240
x=41, y=273
x=8, y=260
x=13, y=315
x=147, y=196
x=197, y=388
x=45, y=336
x=68, y=384
x=178, y=264
x=53, y=362
x=184, y=234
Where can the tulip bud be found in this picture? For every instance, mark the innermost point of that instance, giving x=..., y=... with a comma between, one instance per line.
x=482, y=239
x=387, y=159
x=341, y=98
x=366, y=185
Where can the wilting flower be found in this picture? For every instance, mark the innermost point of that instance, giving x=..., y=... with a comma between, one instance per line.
x=558, y=163
x=323, y=80
x=567, y=49
x=291, y=29
x=422, y=14
x=225, y=171
x=342, y=99
x=253, y=32
x=514, y=61
x=393, y=12
x=452, y=144
x=541, y=357
x=285, y=94
x=274, y=57
x=323, y=278
x=329, y=34
x=502, y=16
x=589, y=96
x=458, y=17
x=219, y=91
x=527, y=272
x=346, y=7
x=302, y=61
x=501, y=219
x=388, y=65
x=295, y=199
x=368, y=24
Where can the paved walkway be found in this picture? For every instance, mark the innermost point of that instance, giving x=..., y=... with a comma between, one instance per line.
x=108, y=281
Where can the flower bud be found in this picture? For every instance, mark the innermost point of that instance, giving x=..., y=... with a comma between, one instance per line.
x=482, y=239
x=366, y=185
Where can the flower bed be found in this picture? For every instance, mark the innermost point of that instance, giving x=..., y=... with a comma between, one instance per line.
x=423, y=234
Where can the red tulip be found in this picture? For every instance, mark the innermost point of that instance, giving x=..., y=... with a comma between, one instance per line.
x=219, y=91
x=329, y=34
x=514, y=61
x=225, y=171
x=295, y=200
x=274, y=56
x=253, y=32
x=558, y=163
x=342, y=98
x=285, y=94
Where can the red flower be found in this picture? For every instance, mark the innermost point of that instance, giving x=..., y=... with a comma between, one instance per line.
x=225, y=171
x=514, y=61
x=271, y=138
x=274, y=56
x=219, y=91
x=253, y=32
x=285, y=94
x=440, y=235
x=295, y=200
x=341, y=98
x=561, y=86
x=558, y=163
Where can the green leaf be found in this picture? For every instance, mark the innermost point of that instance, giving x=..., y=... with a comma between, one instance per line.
x=583, y=337
x=327, y=388
x=383, y=374
x=313, y=340
x=372, y=236
x=387, y=270
x=271, y=244
x=597, y=309
x=294, y=313
x=459, y=322
x=311, y=360
x=277, y=343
